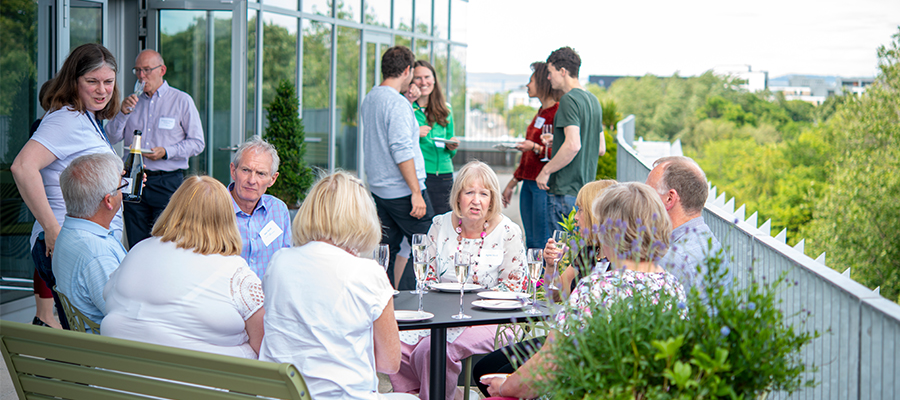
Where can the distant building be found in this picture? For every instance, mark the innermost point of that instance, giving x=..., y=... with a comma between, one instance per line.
x=520, y=97
x=753, y=81
x=855, y=85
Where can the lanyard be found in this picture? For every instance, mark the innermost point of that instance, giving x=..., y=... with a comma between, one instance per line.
x=99, y=129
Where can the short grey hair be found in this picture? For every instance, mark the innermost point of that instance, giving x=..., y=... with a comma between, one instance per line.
x=257, y=144
x=687, y=178
x=87, y=180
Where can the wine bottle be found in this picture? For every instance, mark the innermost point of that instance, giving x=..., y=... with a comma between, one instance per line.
x=134, y=171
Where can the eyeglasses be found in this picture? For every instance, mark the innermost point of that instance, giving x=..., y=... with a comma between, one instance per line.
x=145, y=71
x=123, y=186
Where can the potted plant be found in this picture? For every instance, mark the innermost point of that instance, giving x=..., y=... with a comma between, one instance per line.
x=285, y=132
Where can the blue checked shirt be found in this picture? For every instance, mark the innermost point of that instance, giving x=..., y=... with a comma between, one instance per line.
x=268, y=209
x=84, y=257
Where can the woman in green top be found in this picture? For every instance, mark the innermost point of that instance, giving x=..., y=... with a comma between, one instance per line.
x=435, y=135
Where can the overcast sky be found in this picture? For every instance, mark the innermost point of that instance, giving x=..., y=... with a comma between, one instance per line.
x=636, y=37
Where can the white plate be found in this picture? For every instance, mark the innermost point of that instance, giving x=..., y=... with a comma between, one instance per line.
x=441, y=140
x=502, y=305
x=454, y=287
x=494, y=295
x=411, y=316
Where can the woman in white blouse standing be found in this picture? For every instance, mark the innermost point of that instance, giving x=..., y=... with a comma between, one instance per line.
x=328, y=311
x=475, y=226
x=187, y=285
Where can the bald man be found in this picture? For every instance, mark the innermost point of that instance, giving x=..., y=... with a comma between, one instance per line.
x=170, y=124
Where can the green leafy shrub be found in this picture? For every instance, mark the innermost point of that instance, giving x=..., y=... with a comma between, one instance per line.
x=285, y=132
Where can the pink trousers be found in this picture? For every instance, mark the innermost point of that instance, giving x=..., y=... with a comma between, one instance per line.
x=413, y=374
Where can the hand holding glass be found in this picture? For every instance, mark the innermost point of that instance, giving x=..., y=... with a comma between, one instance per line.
x=559, y=237
x=462, y=267
x=535, y=264
x=547, y=138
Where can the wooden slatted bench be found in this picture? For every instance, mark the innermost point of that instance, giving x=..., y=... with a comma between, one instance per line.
x=46, y=363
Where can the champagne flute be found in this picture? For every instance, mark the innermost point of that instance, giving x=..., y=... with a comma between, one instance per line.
x=420, y=264
x=535, y=262
x=559, y=237
x=138, y=89
x=381, y=255
x=462, y=267
x=546, y=137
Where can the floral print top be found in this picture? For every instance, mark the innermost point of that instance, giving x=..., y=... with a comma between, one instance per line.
x=616, y=285
x=501, y=265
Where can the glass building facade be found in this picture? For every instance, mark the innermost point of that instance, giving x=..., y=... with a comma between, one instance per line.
x=229, y=56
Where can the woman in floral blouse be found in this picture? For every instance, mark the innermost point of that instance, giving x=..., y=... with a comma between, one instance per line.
x=634, y=236
x=474, y=226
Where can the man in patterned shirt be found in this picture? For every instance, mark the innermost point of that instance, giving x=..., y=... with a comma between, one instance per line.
x=87, y=252
x=262, y=219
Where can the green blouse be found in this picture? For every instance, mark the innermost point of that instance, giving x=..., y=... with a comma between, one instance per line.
x=437, y=160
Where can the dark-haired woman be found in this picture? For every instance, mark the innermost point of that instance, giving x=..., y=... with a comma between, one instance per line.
x=82, y=94
x=435, y=135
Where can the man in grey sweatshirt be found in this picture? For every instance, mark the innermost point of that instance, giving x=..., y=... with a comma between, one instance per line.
x=394, y=165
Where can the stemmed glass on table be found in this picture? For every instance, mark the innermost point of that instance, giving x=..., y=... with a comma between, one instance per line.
x=535, y=264
x=546, y=137
x=382, y=255
x=559, y=237
x=462, y=268
x=420, y=266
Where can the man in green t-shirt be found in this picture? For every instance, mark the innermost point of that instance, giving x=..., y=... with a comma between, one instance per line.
x=577, y=136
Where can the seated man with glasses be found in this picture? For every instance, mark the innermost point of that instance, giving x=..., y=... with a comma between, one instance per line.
x=171, y=131
x=86, y=251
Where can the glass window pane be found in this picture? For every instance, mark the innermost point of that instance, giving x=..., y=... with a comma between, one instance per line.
x=440, y=64
x=423, y=50
x=378, y=13
x=399, y=41
x=320, y=7
x=458, y=88
x=87, y=25
x=423, y=16
x=347, y=82
x=252, y=110
x=349, y=10
x=458, y=20
x=441, y=18
x=403, y=15
x=18, y=108
x=289, y=4
x=279, y=53
x=316, y=83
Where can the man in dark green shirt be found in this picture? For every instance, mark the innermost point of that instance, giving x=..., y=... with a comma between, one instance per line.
x=577, y=136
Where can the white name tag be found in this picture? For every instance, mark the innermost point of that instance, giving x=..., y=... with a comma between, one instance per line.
x=492, y=257
x=166, y=123
x=539, y=122
x=270, y=232
x=439, y=145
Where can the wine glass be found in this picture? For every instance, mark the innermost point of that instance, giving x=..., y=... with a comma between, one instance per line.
x=559, y=237
x=420, y=262
x=546, y=137
x=535, y=263
x=462, y=267
x=138, y=89
x=381, y=255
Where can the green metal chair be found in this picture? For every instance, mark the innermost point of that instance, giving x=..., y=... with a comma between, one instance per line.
x=77, y=320
x=52, y=363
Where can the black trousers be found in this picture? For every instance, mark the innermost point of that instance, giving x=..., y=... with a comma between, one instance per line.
x=397, y=223
x=498, y=362
x=438, y=187
x=140, y=217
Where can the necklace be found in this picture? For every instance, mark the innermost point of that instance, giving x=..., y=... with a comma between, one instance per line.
x=459, y=239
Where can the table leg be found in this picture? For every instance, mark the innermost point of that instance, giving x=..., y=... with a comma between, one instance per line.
x=437, y=377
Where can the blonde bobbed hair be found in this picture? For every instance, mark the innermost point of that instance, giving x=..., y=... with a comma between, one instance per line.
x=200, y=217
x=338, y=209
x=466, y=177
x=636, y=225
x=587, y=196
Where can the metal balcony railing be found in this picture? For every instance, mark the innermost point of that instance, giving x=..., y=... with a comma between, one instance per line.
x=858, y=352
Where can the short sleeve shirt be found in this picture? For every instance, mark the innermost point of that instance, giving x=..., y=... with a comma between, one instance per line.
x=577, y=108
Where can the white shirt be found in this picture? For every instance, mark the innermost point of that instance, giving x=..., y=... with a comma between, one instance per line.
x=175, y=297
x=321, y=304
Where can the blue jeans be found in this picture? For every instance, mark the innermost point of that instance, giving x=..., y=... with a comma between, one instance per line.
x=535, y=214
x=560, y=206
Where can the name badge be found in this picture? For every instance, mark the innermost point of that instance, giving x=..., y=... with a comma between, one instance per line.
x=492, y=257
x=439, y=145
x=539, y=122
x=166, y=123
x=270, y=232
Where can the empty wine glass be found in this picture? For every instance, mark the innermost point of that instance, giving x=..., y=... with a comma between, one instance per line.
x=138, y=89
x=559, y=237
x=462, y=267
x=420, y=262
x=535, y=263
x=381, y=255
x=546, y=137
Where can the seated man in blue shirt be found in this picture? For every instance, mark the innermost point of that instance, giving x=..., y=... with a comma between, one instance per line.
x=86, y=251
x=263, y=220
x=682, y=187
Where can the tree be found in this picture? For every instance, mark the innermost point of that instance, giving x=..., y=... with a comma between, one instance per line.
x=285, y=132
x=518, y=119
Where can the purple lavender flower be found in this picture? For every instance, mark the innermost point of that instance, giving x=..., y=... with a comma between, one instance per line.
x=595, y=228
x=751, y=306
x=638, y=221
x=681, y=305
x=725, y=331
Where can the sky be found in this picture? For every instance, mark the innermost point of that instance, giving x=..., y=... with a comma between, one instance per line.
x=661, y=37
